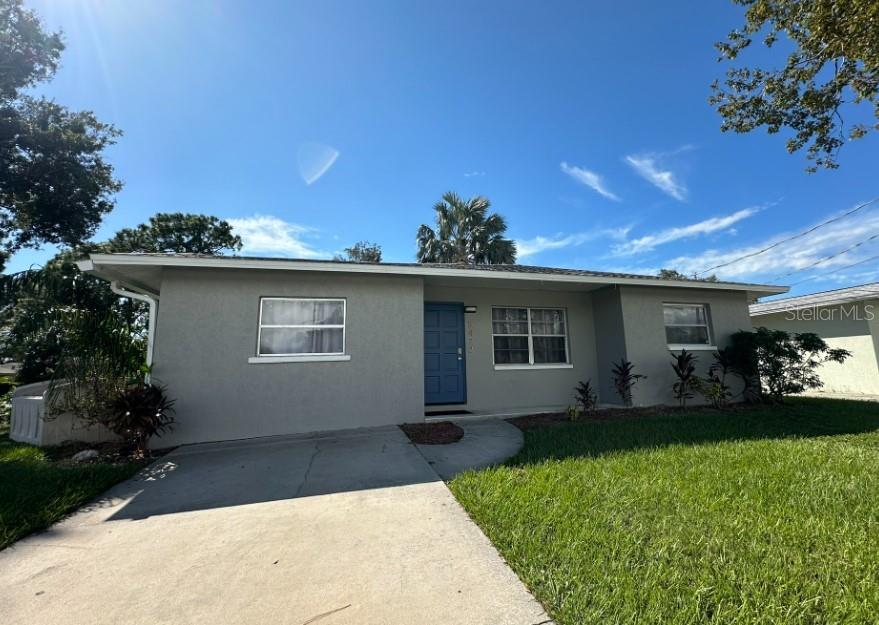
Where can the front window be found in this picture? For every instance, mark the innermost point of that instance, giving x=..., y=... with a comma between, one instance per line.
x=686, y=324
x=298, y=326
x=529, y=336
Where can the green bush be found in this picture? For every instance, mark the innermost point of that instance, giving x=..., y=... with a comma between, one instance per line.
x=781, y=363
x=139, y=413
x=624, y=379
x=684, y=366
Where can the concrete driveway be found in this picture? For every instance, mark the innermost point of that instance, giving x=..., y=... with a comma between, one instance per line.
x=350, y=528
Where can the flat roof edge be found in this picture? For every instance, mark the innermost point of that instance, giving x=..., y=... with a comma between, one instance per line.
x=93, y=262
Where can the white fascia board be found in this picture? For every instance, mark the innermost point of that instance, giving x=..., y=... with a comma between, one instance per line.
x=220, y=262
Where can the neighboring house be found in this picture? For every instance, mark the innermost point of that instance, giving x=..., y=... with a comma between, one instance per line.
x=263, y=346
x=846, y=318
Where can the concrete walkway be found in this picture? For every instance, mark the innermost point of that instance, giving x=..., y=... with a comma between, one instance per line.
x=486, y=442
x=352, y=528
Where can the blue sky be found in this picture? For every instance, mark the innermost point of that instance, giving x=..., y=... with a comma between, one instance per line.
x=316, y=124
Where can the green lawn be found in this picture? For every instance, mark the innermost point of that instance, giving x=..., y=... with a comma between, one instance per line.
x=765, y=516
x=37, y=489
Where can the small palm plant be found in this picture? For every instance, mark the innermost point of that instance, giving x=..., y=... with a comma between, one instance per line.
x=718, y=391
x=684, y=365
x=139, y=413
x=585, y=397
x=624, y=379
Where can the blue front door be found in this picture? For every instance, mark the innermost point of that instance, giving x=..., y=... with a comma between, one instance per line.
x=444, y=377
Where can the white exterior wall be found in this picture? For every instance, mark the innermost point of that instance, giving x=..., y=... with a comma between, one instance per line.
x=846, y=326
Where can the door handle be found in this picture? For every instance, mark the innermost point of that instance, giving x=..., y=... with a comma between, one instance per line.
x=460, y=353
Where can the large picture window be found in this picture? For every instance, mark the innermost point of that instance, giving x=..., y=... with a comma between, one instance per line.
x=301, y=327
x=529, y=336
x=686, y=325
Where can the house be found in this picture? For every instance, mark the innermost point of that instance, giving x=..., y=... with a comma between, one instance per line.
x=263, y=346
x=844, y=318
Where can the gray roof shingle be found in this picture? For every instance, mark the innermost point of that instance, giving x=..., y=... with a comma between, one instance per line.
x=823, y=298
x=525, y=269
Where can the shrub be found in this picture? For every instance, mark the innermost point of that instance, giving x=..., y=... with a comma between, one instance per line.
x=7, y=390
x=784, y=363
x=586, y=398
x=624, y=379
x=715, y=389
x=573, y=412
x=101, y=379
x=102, y=358
x=684, y=366
x=139, y=413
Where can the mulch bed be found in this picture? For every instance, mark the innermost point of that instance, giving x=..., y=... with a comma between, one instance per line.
x=536, y=421
x=438, y=433
x=110, y=452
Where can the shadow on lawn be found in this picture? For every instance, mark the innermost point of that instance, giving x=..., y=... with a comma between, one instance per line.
x=800, y=418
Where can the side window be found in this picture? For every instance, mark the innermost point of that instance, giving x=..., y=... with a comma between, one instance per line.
x=686, y=324
x=299, y=326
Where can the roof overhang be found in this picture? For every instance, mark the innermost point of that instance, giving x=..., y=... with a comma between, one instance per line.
x=144, y=272
x=793, y=304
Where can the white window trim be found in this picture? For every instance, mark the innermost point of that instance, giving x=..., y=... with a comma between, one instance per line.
x=305, y=356
x=709, y=346
x=262, y=360
x=531, y=364
x=544, y=365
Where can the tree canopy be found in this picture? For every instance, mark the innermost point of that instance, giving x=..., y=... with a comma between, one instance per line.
x=55, y=185
x=834, y=63
x=362, y=252
x=465, y=233
x=37, y=306
x=674, y=274
x=177, y=233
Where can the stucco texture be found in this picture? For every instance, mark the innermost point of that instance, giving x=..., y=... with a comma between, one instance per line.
x=207, y=330
x=852, y=326
x=646, y=345
x=504, y=390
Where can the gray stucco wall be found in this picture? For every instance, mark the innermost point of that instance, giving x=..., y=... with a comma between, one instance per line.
x=610, y=339
x=207, y=330
x=513, y=391
x=646, y=344
x=852, y=326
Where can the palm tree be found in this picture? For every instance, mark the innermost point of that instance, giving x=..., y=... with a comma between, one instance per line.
x=465, y=233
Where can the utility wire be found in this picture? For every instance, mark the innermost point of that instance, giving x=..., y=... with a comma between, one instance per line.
x=830, y=273
x=826, y=258
x=796, y=236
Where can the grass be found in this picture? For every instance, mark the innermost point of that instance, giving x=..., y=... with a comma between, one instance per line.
x=38, y=487
x=761, y=517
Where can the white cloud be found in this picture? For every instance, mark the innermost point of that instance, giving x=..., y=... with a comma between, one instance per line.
x=538, y=244
x=649, y=167
x=264, y=234
x=797, y=254
x=590, y=179
x=475, y=173
x=708, y=226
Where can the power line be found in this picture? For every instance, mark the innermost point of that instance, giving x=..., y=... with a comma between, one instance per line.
x=796, y=236
x=826, y=258
x=830, y=273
